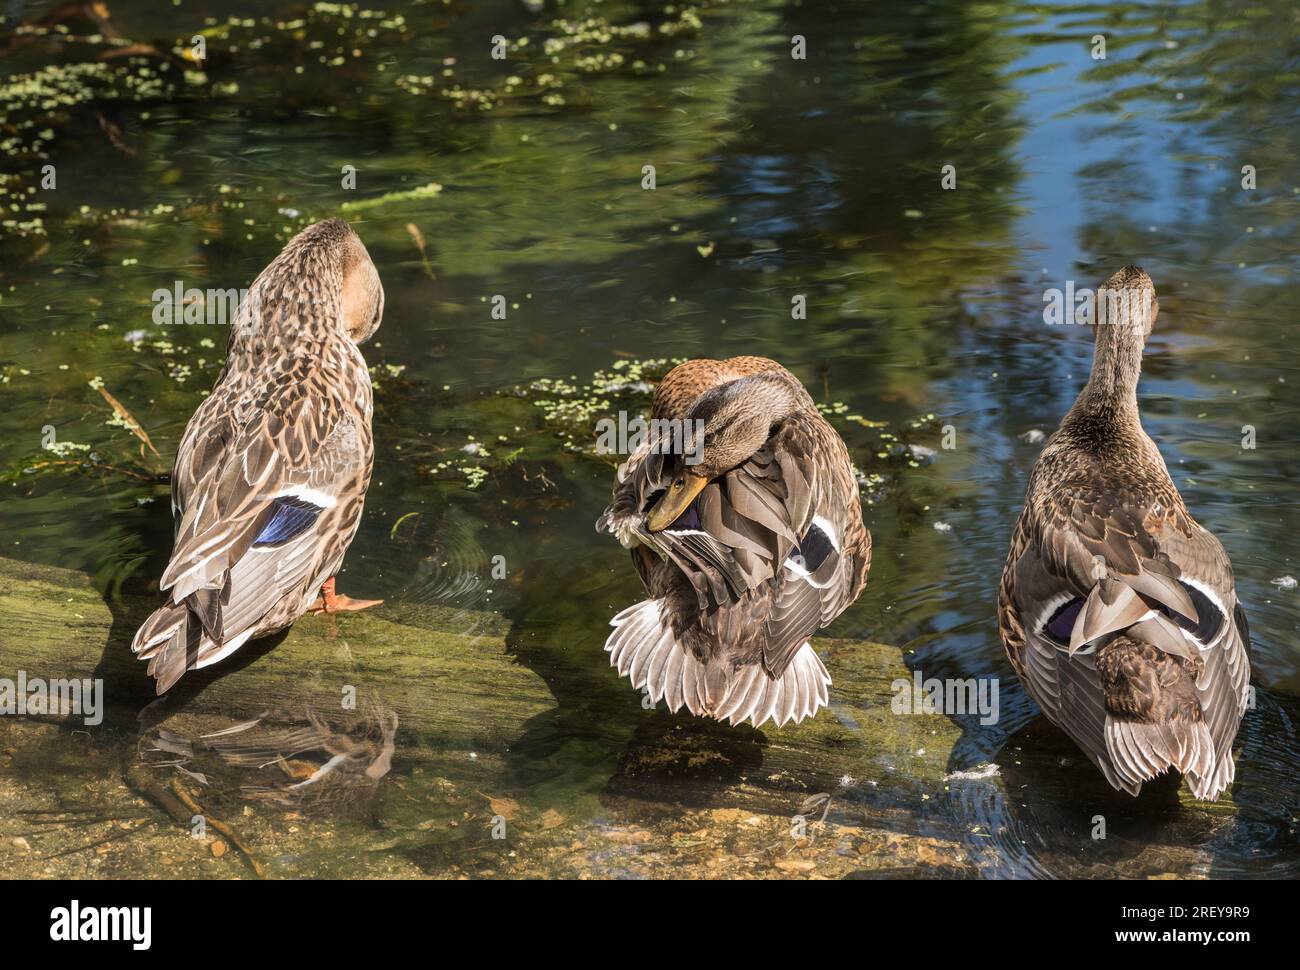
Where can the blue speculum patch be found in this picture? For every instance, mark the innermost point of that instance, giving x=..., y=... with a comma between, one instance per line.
x=814, y=547
x=290, y=517
x=1208, y=616
x=1061, y=625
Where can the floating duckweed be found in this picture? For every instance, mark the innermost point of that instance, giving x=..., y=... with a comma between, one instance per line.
x=577, y=47
x=63, y=449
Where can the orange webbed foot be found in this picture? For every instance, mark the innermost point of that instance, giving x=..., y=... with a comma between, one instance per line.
x=330, y=601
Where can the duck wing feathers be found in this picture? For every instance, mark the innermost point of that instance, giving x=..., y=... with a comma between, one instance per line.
x=269, y=481
x=1223, y=684
x=1132, y=583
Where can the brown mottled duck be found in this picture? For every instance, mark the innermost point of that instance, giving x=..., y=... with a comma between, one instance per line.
x=1117, y=610
x=748, y=538
x=272, y=470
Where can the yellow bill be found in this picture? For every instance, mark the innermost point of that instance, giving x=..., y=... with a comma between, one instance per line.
x=680, y=495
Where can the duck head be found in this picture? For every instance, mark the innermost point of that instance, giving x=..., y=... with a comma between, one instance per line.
x=1127, y=300
x=323, y=282
x=362, y=293
x=1126, y=312
x=725, y=426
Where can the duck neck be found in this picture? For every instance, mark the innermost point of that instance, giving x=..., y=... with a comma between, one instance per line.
x=1111, y=391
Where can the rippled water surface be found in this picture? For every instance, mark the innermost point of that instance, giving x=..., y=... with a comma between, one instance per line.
x=776, y=177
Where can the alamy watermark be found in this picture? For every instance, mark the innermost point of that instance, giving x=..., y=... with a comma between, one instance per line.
x=77, y=924
x=182, y=305
x=667, y=436
x=951, y=696
x=1086, y=307
x=179, y=305
x=65, y=697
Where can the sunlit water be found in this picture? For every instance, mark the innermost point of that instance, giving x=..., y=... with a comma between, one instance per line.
x=775, y=177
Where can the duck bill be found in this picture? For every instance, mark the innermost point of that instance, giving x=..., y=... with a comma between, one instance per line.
x=669, y=508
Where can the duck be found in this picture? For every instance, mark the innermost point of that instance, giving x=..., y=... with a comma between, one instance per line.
x=1117, y=610
x=742, y=514
x=272, y=470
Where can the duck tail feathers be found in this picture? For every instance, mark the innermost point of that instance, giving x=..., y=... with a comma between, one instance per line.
x=643, y=649
x=169, y=640
x=1141, y=751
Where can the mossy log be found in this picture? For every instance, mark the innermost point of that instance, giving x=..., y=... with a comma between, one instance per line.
x=491, y=729
x=453, y=681
x=460, y=685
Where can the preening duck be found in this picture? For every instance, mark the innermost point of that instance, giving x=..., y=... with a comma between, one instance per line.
x=273, y=468
x=1117, y=610
x=743, y=517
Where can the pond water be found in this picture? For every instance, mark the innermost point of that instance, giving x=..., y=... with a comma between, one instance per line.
x=775, y=178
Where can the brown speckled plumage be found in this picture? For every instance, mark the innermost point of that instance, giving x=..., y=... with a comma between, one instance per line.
x=281, y=449
x=1117, y=610
x=725, y=630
